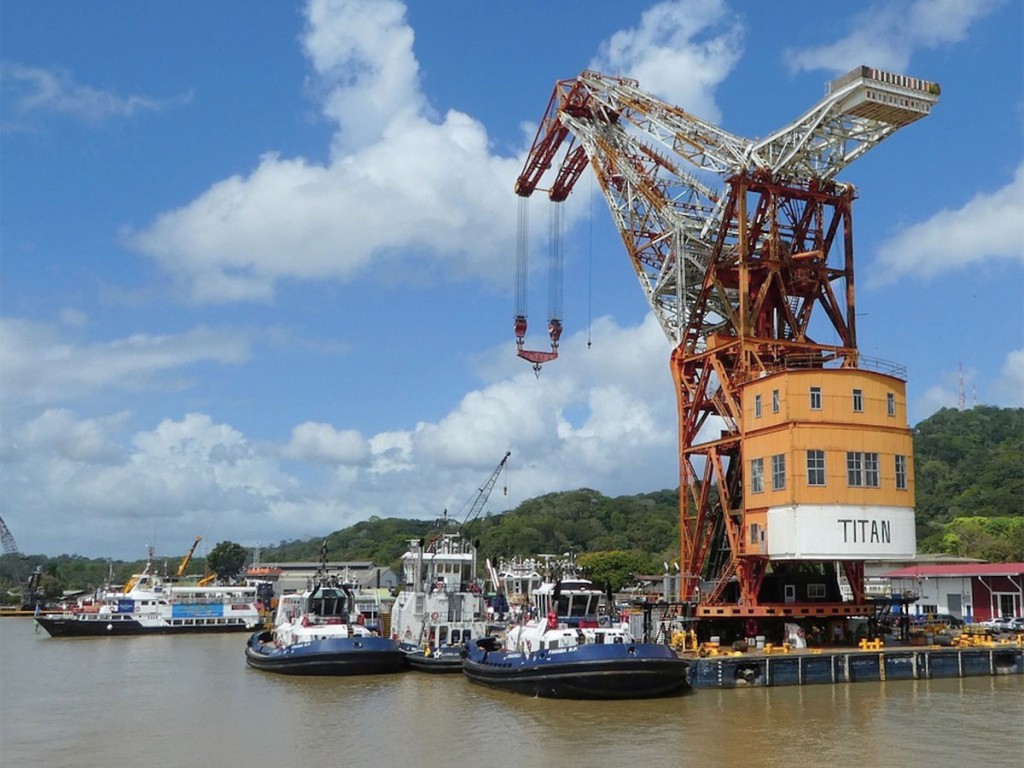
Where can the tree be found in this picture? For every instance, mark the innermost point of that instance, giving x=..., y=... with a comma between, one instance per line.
x=226, y=559
x=616, y=569
x=50, y=587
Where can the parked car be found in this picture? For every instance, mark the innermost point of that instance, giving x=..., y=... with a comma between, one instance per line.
x=938, y=618
x=999, y=624
x=1017, y=625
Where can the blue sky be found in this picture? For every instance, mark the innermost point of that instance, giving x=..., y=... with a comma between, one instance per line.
x=257, y=258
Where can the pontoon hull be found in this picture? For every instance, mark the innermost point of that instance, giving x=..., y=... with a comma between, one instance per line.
x=335, y=656
x=634, y=671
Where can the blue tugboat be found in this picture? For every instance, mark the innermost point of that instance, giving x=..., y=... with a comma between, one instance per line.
x=318, y=632
x=573, y=653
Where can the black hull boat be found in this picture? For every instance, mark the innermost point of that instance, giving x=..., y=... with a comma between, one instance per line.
x=614, y=671
x=321, y=632
x=75, y=626
x=331, y=656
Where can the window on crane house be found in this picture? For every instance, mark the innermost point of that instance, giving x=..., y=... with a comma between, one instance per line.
x=757, y=406
x=815, y=398
x=862, y=469
x=778, y=472
x=854, y=468
x=901, y=473
x=890, y=403
x=871, y=477
x=815, y=467
x=858, y=401
x=756, y=475
x=775, y=401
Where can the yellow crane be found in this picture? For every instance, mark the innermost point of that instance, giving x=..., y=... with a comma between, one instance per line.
x=187, y=558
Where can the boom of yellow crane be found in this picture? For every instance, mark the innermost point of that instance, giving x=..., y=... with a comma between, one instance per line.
x=187, y=558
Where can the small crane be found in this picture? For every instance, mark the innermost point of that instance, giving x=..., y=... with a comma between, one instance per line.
x=485, y=491
x=187, y=558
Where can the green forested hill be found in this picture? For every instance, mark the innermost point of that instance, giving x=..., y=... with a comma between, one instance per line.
x=969, y=468
x=582, y=521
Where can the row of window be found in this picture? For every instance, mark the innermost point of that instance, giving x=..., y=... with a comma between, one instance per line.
x=204, y=622
x=862, y=470
x=815, y=401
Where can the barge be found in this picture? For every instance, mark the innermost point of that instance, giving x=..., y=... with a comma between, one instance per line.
x=854, y=665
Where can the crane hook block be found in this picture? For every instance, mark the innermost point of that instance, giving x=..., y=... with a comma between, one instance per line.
x=520, y=327
x=555, y=332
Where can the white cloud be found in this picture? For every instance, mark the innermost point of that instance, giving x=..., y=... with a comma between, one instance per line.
x=426, y=191
x=934, y=399
x=680, y=51
x=40, y=365
x=1009, y=387
x=404, y=191
x=1006, y=391
x=58, y=432
x=323, y=443
x=184, y=477
x=362, y=53
x=605, y=413
x=29, y=90
x=989, y=228
x=887, y=35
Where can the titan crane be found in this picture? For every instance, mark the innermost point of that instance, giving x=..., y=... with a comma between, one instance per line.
x=795, y=454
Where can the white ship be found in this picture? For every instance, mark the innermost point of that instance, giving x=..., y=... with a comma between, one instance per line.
x=151, y=604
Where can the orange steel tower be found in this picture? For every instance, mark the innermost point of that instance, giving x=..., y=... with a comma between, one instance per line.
x=795, y=453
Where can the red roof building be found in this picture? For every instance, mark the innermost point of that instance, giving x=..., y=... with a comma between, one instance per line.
x=971, y=591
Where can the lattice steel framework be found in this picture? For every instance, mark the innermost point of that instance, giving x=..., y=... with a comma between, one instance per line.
x=735, y=277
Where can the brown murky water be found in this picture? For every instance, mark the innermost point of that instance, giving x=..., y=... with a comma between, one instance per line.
x=191, y=701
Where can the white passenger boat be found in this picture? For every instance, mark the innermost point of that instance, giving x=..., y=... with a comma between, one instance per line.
x=154, y=605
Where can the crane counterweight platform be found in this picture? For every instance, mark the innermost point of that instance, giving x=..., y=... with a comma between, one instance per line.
x=744, y=280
